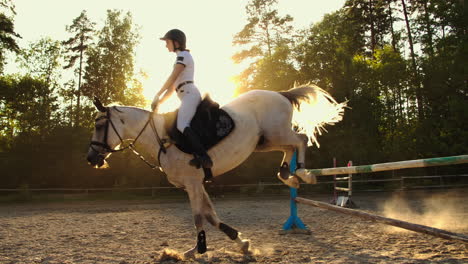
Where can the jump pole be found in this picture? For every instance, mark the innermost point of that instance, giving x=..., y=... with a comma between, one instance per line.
x=288, y=226
x=388, y=221
x=407, y=164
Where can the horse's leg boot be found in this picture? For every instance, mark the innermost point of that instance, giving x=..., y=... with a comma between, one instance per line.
x=284, y=171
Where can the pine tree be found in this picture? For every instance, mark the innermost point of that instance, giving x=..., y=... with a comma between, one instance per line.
x=76, y=46
x=8, y=35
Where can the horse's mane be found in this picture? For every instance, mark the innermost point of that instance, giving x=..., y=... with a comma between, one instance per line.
x=117, y=105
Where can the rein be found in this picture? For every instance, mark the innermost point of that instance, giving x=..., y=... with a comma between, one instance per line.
x=131, y=146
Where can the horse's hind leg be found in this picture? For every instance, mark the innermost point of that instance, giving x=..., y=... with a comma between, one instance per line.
x=284, y=171
x=300, y=170
x=295, y=141
x=211, y=216
x=203, y=210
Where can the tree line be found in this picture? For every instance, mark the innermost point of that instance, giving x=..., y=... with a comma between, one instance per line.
x=400, y=64
x=46, y=107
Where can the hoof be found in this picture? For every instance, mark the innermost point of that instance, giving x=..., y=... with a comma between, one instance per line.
x=245, y=246
x=292, y=181
x=306, y=176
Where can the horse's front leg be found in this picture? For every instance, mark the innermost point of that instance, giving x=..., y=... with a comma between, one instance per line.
x=195, y=193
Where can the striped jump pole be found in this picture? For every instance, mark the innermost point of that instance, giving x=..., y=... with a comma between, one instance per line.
x=407, y=164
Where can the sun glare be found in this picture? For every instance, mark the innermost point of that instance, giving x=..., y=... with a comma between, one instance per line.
x=214, y=74
x=222, y=90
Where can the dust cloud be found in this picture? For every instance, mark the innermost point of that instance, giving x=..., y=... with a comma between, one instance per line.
x=432, y=210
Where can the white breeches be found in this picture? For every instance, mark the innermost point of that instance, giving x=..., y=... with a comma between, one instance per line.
x=190, y=97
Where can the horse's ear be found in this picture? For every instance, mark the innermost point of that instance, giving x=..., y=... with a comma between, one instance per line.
x=99, y=105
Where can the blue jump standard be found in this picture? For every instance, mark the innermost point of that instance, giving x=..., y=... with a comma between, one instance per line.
x=293, y=222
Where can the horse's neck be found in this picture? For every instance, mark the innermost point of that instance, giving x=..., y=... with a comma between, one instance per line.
x=136, y=122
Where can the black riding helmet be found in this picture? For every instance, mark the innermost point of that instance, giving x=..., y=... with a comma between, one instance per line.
x=176, y=35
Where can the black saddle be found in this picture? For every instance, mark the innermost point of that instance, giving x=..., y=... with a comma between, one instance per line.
x=211, y=124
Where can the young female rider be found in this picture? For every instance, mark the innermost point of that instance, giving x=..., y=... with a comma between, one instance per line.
x=181, y=81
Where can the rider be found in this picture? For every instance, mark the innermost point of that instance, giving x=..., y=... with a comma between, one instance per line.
x=181, y=81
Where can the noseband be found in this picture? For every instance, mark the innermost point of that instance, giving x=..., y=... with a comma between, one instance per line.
x=131, y=146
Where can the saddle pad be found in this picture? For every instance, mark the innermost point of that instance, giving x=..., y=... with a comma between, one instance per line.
x=210, y=123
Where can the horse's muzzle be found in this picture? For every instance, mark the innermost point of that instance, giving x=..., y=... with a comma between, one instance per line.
x=95, y=159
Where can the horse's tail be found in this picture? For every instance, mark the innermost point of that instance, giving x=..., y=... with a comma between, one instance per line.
x=313, y=108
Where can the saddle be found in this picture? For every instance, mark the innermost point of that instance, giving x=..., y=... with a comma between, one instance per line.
x=211, y=123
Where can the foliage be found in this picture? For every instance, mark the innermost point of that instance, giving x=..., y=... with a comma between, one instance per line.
x=8, y=36
x=401, y=65
x=76, y=46
x=42, y=59
x=266, y=39
x=39, y=146
x=360, y=54
x=82, y=27
x=109, y=71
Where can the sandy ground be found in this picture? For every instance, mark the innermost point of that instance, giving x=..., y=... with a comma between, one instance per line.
x=139, y=231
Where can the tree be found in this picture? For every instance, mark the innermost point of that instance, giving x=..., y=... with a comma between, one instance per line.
x=393, y=19
x=76, y=46
x=372, y=19
x=415, y=73
x=326, y=53
x=23, y=108
x=42, y=61
x=8, y=35
x=109, y=73
x=327, y=56
x=265, y=33
x=275, y=72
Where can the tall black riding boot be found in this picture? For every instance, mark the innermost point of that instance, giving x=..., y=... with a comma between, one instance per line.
x=201, y=157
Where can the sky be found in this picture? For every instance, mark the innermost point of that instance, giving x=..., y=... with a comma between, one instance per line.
x=209, y=25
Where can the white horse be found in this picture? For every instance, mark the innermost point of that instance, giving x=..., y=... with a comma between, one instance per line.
x=263, y=122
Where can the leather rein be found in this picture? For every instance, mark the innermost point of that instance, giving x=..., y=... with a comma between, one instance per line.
x=131, y=146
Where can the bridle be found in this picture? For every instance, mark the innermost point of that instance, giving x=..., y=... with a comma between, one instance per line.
x=131, y=146
x=104, y=143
